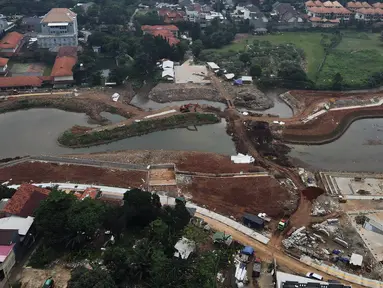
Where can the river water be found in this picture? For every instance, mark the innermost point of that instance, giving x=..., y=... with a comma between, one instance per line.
x=35, y=132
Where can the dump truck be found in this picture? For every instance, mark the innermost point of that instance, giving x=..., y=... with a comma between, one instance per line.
x=282, y=225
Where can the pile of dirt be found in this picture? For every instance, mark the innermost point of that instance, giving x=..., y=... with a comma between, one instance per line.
x=248, y=96
x=234, y=196
x=50, y=172
x=35, y=278
x=168, y=92
x=203, y=162
x=311, y=193
x=79, y=129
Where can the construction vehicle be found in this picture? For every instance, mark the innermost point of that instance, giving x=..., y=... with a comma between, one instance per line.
x=187, y=107
x=341, y=199
x=282, y=225
x=49, y=283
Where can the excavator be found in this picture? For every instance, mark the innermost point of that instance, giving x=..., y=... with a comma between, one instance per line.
x=187, y=108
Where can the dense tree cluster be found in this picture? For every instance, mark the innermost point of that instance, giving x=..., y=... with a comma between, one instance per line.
x=145, y=235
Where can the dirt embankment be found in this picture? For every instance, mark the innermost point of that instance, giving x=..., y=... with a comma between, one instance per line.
x=203, y=162
x=234, y=196
x=76, y=140
x=168, y=92
x=328, y=127
x=51, y=172
x=91, y=107
x=248, y=96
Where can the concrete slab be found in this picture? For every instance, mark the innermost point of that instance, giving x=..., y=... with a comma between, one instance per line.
x=191, y=74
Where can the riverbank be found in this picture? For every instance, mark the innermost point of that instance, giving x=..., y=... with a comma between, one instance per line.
x=84, y=139
x=328, y=128
x=90, y=107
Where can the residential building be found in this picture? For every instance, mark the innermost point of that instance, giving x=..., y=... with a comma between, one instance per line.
x=23, y=82
x=324, y=23
x=369, y=14
x=62, y=73
x=27, y=197
x=287, y=13
x=11, y=43
x=58, y=28
x=286, y=280
x=3, y=24
x=377, y=5
x=7, y=261
x=192, y=12
x=168, y=32
x=172, y=16
x=3, y=66
x=327, y=10
x=207, y=17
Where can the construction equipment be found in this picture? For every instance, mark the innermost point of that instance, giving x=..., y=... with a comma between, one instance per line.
x=49, y=283
x=282, y=225
x=187, y=107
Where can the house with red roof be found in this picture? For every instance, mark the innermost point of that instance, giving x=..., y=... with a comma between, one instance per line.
x=7, y=261
x=168, y=32
x=62, y=69
x=10, y=43
x=171, y=16
x=23, y=82
x=26, y=199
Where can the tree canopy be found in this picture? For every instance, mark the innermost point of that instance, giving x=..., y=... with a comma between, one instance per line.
x=95, y=278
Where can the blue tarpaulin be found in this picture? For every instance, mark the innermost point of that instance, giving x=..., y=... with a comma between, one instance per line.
x=248, y=250
x=238, y=82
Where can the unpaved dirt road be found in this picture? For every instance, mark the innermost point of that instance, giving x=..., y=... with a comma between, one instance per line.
x=267, y=252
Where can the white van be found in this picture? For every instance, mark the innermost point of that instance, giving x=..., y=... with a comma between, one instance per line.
x=314, y=276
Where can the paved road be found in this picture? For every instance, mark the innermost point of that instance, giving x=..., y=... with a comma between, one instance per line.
x=268, y=252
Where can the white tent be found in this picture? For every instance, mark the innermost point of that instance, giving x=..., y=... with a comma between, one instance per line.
x=167, y=64
x=115, y=97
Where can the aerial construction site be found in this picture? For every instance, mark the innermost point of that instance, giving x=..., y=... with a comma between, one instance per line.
x=317, y=221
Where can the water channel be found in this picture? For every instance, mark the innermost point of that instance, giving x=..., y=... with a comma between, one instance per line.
x=35, y=132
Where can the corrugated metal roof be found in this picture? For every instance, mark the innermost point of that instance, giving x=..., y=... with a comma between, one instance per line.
x=18, y=223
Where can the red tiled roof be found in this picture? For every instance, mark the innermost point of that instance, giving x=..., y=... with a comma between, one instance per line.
x=315, y=19
x=366, y=5
x=90, y=192
x=318, y=3
x=370, y=11
x=324, y=10
x=20, y=81
x=63, y=66
x=67, y=51
x=378, y=5
x=166, y=34
x=11, y=40
x=26, y=199
x=159, y=27
x=3, y=62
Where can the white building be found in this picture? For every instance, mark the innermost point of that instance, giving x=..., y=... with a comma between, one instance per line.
x=58, y=28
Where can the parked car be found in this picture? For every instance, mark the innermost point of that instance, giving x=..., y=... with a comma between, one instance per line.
x=314, y=276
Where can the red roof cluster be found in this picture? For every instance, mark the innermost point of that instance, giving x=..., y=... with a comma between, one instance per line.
x=159, y=27
x=21, y=81
x=378, y=5
x=370, y=11
x=26, y=199
x=358, y=5
x=324, y=10
x=65, y=60
x=3, y=61
x=11, y=40
x=165, y=31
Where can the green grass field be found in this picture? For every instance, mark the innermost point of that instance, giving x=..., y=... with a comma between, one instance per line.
x=357, y=56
